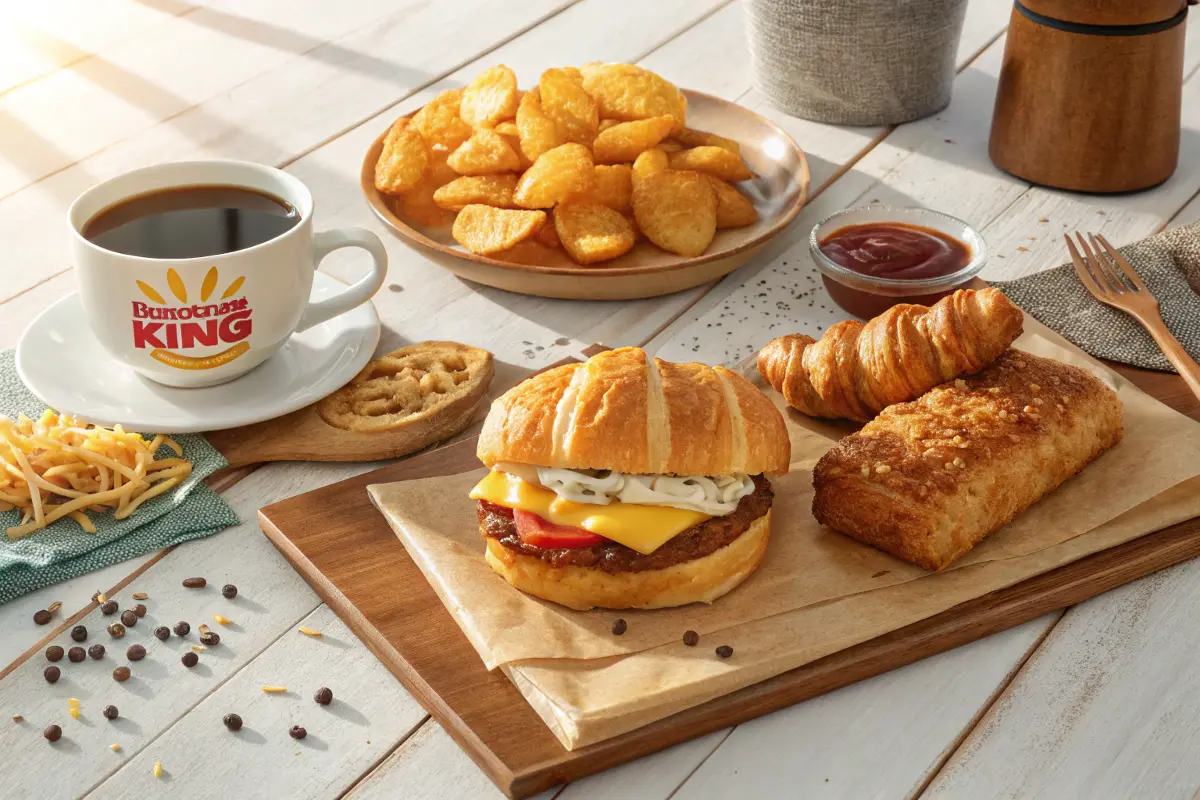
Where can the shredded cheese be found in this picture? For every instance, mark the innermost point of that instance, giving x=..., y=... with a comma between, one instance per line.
x=55, y=467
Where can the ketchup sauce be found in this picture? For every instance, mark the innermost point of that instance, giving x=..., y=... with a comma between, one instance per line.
x=896, y=251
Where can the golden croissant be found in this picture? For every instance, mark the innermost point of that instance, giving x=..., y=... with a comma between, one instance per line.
x=856, y=370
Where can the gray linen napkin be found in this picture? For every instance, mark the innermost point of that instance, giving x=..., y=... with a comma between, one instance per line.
x=1169, y=265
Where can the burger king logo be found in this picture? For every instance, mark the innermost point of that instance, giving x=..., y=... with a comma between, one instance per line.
x=166, y=329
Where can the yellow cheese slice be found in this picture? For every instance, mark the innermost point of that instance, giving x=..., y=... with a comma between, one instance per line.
x=641, y=528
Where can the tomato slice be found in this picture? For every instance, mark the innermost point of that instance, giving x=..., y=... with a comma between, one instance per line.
x=540, y=532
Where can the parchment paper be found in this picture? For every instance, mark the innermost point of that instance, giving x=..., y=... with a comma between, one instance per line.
x=817, y=591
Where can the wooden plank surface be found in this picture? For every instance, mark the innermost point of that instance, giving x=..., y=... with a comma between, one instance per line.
x=911, y=755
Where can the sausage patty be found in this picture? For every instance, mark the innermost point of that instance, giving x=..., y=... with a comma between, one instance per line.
x=695, y=542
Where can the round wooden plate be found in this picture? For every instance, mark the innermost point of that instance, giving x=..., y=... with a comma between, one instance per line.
x=645, y=271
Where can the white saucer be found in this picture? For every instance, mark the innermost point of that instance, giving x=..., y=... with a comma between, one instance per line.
x=62, y=363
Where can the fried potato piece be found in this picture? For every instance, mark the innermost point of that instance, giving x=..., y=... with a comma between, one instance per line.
x=613, y=186
x=417, y=204
x=490, y=98
x=628, y=140
x=689, y=137
x=439, y=123
x=677, y=210
x=402, y=160
x=539, y=133
x=508, y=130
x=628, y=92
x=490, y=190
x=485, y=153
x=485, y=230
x=574, y=73
x=565, y=101
x=712, y=160
x=555, y=176
x=669, y=146
x=592, y=232
x=605, y=124
x=734, y=209
x=648, y=163
x=546, y=235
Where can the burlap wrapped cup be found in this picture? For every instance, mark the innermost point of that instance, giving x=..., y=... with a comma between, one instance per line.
x=855, y=62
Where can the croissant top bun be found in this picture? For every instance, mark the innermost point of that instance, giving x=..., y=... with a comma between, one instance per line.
x=856, y=370
x=625, y=412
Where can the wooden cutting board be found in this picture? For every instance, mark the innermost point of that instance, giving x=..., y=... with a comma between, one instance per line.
x=342, y=546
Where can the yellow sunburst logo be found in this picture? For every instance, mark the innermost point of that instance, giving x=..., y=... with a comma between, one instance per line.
x=179, y=290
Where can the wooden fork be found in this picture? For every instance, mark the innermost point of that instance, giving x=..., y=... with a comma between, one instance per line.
x=1106, y=274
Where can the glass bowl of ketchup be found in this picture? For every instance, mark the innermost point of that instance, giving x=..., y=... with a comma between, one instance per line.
x=874, y=257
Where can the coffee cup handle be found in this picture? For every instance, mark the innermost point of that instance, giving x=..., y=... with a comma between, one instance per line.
x=358, y=293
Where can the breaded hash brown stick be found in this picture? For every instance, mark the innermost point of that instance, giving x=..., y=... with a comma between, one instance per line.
x=926, y=481
x=856, y=370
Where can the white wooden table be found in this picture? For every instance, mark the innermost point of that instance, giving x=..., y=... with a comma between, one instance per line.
x=1102, y=700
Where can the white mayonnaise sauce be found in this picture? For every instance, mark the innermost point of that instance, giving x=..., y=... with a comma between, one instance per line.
x=714, y=496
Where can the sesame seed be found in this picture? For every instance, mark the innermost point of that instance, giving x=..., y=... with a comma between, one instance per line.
x=949, y=465
x=1059, y=406
x=1002, y=414
x=994, y=390
x=958, y=462
x=1037, y=401
x=882, y=469
x=1028, y=409
x=1066, y=401
x=957, y=440
x=1033, y=387
x=866, y=471
x=1019, y=364
x=960, y=383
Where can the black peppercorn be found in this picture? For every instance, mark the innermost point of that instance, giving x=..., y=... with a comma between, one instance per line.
x=182, y=629
x=76, y=654
x=324, y=696
x=195, y=583
x=297, y=732
x=52, y=733
x=96, y=651
x=232, y=721
x=229, y=591
x=724, y=651
x=51, y=674
x=619, y=627
x=110, y=712
x=41, y=617
x=190, y=659
x=135, y=652
x=162, y=633
x=140, y=610
x=54, y=653
x=691, y=638
x=109, y=608
x=210, y=638
x=129, y=618
x=79, y=633
x=121, y=674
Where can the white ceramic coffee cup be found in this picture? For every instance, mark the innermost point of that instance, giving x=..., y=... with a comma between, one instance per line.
x=202, y=321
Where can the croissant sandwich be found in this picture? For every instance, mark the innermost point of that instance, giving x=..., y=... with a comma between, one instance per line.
x=856, y=370
x=629, y=482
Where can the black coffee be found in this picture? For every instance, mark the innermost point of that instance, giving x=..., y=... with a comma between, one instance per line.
x=191, y=222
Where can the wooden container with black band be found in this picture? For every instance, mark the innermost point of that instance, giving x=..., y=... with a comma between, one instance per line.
x=1090, y=93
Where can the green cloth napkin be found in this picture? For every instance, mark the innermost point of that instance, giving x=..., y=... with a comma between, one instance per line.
x=64, y=551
